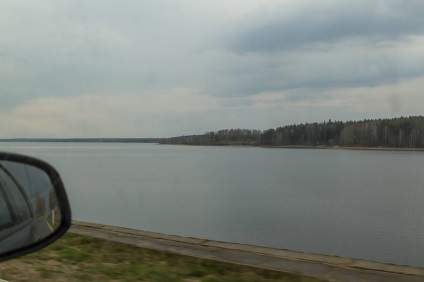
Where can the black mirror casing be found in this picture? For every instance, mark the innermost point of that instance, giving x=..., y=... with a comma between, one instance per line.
x=61, y=203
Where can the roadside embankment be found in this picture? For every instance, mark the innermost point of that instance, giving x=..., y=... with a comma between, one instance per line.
x=321, y=266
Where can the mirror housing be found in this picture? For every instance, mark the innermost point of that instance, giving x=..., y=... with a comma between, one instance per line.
x=34, y=207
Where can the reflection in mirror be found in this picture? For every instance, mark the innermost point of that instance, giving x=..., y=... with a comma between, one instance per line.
x=29, y=209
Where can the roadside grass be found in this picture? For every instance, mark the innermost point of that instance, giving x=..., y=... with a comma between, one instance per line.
x=82, y=258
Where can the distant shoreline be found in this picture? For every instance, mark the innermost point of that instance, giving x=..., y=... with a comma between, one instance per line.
x=308, y=147
x=157, y=140
x=83, y=140
x=345, y=148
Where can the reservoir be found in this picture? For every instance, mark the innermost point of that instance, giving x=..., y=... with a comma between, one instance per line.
x=359, y=204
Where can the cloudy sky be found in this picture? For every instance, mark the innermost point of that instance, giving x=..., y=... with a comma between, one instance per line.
x=134, y=68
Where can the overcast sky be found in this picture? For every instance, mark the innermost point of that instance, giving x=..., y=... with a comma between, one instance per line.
x=102, y=68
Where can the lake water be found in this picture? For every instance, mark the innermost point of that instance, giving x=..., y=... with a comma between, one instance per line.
x=359, y=204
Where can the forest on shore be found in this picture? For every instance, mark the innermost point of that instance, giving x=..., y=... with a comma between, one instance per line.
x=402, y=132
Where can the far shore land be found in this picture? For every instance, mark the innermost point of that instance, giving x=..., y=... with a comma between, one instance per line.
x=346, y=148
x=390, y=134
x=310, y=147
x=238, y=144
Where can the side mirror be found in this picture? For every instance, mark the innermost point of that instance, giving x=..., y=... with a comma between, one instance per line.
x=34, y=208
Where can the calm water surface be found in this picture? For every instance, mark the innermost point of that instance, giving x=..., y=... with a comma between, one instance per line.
x=359, y=204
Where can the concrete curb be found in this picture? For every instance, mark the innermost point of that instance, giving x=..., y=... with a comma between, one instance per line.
x=322, y=266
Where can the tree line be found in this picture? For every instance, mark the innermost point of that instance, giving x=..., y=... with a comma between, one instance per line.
x=405, y=132
x=221, y=137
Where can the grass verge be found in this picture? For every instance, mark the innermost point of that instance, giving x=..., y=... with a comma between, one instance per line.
x=82, y=258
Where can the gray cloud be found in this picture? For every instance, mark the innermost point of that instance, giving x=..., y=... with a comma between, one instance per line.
x=330, y=23
x=345, y=65
x=59, y=48
x=318, y=46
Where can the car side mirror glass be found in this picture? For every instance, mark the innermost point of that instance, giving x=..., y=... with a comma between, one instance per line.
x=34, y=208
